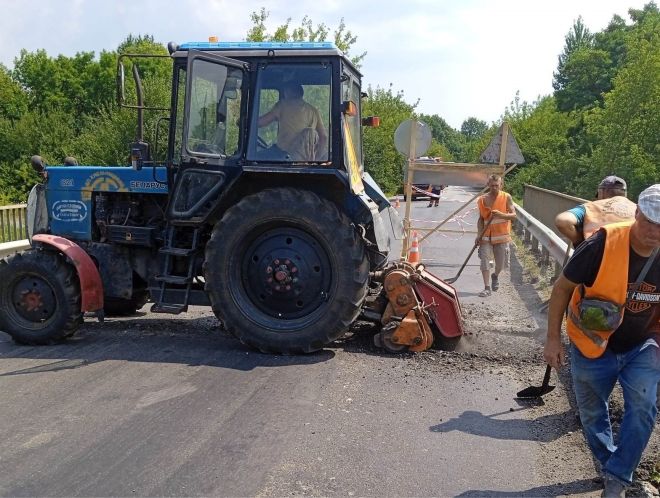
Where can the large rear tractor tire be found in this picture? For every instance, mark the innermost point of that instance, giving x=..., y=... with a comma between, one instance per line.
x=39, y=297
x=286, y=272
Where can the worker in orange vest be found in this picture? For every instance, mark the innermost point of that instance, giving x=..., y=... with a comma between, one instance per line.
x=580, y=222
x=496, y=211
x=611, y=286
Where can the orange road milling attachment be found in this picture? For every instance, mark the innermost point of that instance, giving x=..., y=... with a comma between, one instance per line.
x=416, y=310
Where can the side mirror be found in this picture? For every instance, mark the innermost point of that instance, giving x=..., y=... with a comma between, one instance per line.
x=37, y=163
x=373, y=121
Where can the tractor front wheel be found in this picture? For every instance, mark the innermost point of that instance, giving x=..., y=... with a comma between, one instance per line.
x=286, y=272
x=39, y=298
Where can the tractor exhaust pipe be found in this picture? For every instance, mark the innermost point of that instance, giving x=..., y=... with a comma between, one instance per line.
x=140, y=104
x=139, y=149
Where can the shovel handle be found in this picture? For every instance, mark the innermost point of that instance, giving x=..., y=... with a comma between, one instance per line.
x=453, y=279
x=546, y=377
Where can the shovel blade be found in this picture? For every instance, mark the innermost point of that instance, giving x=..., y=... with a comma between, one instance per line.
x=534, y=391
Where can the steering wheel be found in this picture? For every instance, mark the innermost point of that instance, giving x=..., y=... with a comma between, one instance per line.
x=262, y=143
x=207, y=148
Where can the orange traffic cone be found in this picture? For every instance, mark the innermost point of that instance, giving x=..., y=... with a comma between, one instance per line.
x=414, y=256
x=397, y=204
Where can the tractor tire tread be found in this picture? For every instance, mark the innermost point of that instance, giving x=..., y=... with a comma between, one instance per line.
x=346, y=305
x=61, y=271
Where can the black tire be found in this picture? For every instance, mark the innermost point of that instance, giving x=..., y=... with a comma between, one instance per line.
x=446, y=343
x=116, y=306
x=39, y=298
x=286, y=271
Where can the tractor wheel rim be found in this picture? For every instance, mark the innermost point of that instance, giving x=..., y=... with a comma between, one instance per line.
x=287, y=273
x=33, y=299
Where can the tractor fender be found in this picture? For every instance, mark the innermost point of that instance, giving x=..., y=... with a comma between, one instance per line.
x=91, y=286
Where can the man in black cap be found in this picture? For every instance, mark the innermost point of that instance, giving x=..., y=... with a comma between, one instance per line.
x=611, y=206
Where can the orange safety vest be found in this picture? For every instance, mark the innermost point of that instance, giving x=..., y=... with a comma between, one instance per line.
x=606, y=211
x=499, y=230
x=611, y=284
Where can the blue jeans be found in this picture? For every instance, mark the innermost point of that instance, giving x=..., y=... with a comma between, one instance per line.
x=638, y=372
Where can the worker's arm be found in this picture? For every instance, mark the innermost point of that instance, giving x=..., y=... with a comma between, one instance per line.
x=510, y=210
x=561, y=295
x=567, y=224
x=270, y=116
x=267, y=118
x=480, y=229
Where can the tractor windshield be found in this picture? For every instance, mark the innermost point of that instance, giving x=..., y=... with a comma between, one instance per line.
x=215, y=105
x=291, y=113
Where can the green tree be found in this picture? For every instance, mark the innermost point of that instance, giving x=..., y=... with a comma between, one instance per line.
x=444, y=135
x=627, y=127
x=13, y=100
x=473, y=128
x=578, y=38
x=343, y=38
x=542, y=134
x=381, y=159
x=588, y=76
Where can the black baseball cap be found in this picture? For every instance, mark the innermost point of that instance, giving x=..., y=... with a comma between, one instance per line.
x=613, y=182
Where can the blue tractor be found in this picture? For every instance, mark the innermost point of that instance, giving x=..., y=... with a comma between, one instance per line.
x=275, y=225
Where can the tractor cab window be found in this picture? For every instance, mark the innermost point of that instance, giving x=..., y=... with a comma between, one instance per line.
x=350, y=91
x=291, y=113
x=214, y=112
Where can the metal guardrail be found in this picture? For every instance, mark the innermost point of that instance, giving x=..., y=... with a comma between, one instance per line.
x=541, y=238
x=545, y=204
x=13, y=222
x=9, y=248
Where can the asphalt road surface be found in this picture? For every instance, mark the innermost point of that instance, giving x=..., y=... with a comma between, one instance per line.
x=157, y=406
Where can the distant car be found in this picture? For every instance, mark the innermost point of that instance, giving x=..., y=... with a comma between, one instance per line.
x=416, y=194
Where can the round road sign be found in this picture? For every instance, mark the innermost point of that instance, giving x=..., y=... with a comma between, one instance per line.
x=415, y=132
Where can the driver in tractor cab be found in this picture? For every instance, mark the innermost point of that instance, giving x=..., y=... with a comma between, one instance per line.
x=301, y=134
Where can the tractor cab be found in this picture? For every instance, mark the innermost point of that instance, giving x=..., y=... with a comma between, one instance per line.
x=266, y=105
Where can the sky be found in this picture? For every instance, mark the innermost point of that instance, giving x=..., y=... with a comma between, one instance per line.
x=457, y=58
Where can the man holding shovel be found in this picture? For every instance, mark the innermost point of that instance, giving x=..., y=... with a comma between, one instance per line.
x=611, y=287
x=496, y=211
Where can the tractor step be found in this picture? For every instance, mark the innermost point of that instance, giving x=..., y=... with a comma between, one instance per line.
x=171, y=308
x=174, y=279
x=181, y=252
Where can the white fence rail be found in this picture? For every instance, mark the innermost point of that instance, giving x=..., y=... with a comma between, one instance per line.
x=13, y=222
x=9, y=248
x=543, y=240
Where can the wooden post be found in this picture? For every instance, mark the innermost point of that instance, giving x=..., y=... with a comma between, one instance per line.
x=411, y=172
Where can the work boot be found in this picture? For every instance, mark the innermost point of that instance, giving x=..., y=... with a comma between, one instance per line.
x=613, y=488
x=495, y=282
